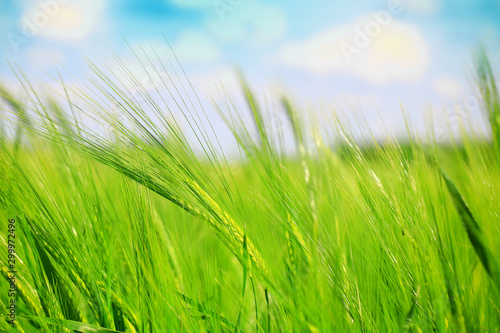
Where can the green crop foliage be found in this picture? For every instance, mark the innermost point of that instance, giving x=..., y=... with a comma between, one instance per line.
x=149, y=227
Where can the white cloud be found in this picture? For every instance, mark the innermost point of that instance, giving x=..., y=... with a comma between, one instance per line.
x=248, y=20
x=397, y=51
x=11, y=83
x=62, y=19
x=43, y=58
x=449, y=88
x=212, y=81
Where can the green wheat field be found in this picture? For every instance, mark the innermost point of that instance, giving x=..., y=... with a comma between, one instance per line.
x=148, y=227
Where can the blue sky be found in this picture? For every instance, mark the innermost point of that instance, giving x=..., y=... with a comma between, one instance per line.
x=417, y=55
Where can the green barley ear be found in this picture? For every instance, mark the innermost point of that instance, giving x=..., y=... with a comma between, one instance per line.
x=31, y=304
x=298, y=133
x=258, y=118
x=489, y=94
x=201, y=308
x=20, y=110
x=473, y=229
x=61, y=118
x=295, y=122
x=61, y=289
x=121, y=308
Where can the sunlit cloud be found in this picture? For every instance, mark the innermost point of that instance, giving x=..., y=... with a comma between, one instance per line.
x=214, y=80
x=394, y=51
x=43, y=58
x=62, y=19
x=448, y=87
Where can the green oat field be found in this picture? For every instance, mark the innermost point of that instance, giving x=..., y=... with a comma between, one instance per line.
x=146, y=228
